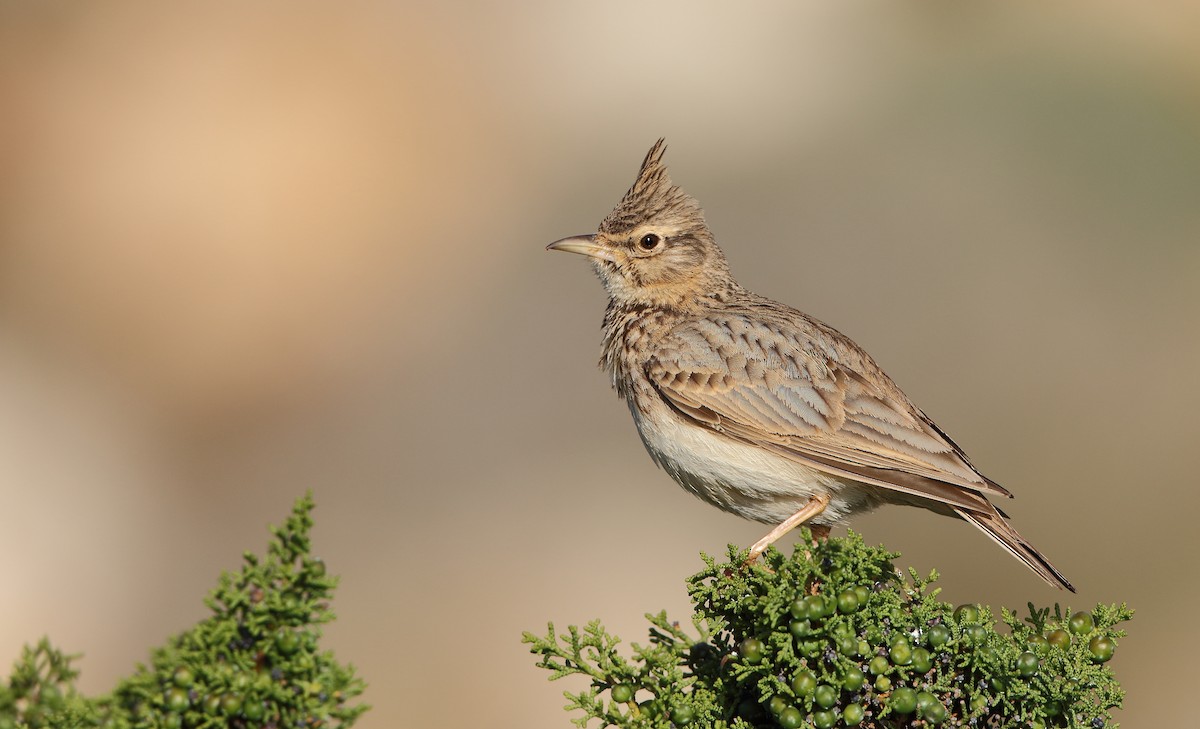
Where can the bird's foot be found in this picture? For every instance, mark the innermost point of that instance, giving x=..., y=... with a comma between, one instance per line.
x=756, y=551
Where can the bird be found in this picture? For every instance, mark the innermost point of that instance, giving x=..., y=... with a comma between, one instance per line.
x=753, y=406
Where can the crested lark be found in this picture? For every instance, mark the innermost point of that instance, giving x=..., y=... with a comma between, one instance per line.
x=753, y=406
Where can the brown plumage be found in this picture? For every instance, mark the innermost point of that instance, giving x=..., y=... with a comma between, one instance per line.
x=754, y=406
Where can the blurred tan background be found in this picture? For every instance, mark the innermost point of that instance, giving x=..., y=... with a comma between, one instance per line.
x=246, y=252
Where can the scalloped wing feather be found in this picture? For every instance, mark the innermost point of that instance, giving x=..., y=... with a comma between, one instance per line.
x=746, y=379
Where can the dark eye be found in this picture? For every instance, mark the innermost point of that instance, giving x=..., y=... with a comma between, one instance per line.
x=649, y=242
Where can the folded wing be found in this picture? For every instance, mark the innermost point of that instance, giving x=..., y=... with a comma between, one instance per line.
x=771, y=387
x=751, y=382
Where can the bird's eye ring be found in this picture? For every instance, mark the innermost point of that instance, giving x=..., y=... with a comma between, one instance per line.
x=649, y=242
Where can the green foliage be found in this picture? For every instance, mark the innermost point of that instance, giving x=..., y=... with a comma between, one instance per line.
x=835, y=636
x=255, y=662
x=41, y=686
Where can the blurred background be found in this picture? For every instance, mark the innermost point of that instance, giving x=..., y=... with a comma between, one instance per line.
x=249, y=251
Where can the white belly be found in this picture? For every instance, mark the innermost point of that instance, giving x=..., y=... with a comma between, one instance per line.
x=742, y=479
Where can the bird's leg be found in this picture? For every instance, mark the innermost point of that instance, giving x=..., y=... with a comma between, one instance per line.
x=815, y=505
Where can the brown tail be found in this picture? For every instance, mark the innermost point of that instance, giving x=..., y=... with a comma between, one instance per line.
x=994, y=525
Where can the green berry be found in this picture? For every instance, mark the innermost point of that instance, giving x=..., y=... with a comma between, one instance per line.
x=1102, y=649
x=976, y=634
x=791, y=718
x=878, y=665
x=864, y=593
x=925, y=700
x=799, y=608
x=901, y=653
x=212, y=704
x=822, y=606
x=804, y=682
x=934, y=713
x=622, y=693
x=847, y=646
x=230, y=704
x=682, y=715
x=777, y=705
x=825, y=696
x=829, y=606
x=1081, y=623
x=937, y=635
x=847, y=602
x=883, y=683
x=968, y=613
x=809, y=608
x=922, y=661
x=752, y=651
x=254, y=710
x=1059, y=638
x=183, y=677
x=903, y=701
x=287, y=641
x=854, y=679
x=853, y=715
x=824, y=719
x=1038, y=644
x=800, y=628
x=812, y=648
x=177, y=700
x=1027, y=664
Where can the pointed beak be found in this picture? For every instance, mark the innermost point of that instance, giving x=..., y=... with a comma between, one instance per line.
x=583, y=244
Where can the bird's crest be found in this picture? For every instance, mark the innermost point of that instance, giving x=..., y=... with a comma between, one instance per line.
x=652, y=197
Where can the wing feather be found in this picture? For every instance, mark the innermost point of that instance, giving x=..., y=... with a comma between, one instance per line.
x=754, y=383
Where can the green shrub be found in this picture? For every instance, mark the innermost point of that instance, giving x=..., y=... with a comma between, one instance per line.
x=835, y=636
x=255, y=662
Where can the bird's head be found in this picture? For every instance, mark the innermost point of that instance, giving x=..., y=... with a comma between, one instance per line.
x=654, y=248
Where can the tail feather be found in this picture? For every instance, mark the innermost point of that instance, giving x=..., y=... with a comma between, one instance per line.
x=994, y=525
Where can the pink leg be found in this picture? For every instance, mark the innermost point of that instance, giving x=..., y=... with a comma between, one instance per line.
x=815, y=506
